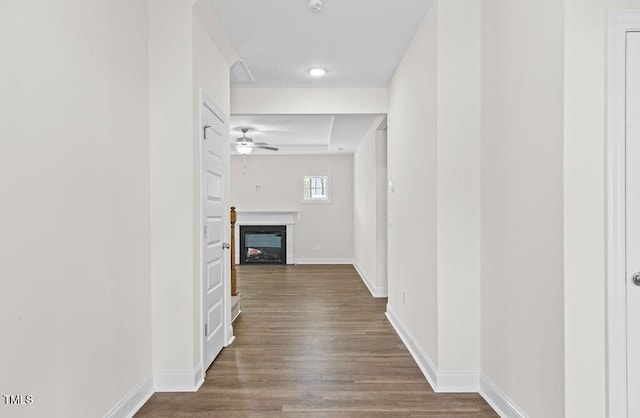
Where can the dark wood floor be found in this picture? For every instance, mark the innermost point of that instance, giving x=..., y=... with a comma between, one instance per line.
x=312, y=342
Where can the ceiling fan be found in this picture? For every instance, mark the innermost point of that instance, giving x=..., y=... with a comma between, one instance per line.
x=245, y=145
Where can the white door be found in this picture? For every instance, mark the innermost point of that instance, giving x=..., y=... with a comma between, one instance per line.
x=215, y=220
x=633, y=222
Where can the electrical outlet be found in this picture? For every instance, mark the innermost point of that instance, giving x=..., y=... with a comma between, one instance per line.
x=317, y=246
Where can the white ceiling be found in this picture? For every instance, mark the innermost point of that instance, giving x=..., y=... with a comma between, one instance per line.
x=359, y=42
x=303, y=134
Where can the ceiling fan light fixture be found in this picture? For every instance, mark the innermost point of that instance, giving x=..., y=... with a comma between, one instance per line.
x=317, y=72
x=245, y=145
x=243, y=148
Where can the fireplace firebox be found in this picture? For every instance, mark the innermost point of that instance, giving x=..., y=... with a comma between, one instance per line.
x=263, y=244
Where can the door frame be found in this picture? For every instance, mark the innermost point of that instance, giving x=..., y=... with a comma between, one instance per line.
x=206, y=101
x=618, y=24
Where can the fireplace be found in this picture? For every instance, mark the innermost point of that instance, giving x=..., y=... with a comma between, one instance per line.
x=263, y=244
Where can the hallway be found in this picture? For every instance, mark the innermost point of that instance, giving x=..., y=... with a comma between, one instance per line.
x=312, y=342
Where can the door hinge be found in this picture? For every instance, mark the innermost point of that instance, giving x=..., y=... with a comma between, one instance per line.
x=206, y=330
x=204, y=232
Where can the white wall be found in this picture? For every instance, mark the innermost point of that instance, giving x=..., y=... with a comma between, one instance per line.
x=183, y=58
x=172, y=197
x=369, y=200
x=458, y=195
x=211, y=75
x=308, y=101
x=522, y=203
x=434, y=165
x=543, y=305
x=74, y=151
x=412, y=167
x=381, y=210
x=279, y=177
x=80, y=122
x=364, y=208
x=584, y=205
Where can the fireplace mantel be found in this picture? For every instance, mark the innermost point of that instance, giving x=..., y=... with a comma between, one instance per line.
x=268, y=217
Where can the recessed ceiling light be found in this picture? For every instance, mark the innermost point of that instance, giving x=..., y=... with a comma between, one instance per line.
x=317, y=72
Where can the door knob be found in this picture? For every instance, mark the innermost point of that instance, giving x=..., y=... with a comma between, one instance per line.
x=636, y=278
x=226, y=246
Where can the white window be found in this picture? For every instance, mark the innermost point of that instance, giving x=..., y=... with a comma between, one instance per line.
x=316, y=189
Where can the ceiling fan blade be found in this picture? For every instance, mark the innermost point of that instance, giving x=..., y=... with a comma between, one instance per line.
x=266, y=147
x=260, y=143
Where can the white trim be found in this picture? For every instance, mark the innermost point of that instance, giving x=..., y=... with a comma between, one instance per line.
x=441, y=382
x=237, y=314
x=619, y=23
x=422, y=359
x=241, y=73
x=133, y=401
x=458, y=382
x=376, y=292
x=179, y=380
x=235, y=308
x=324, y=201
x=498, y=400
x=266, y=217
x=324, y=261
x=201, y=217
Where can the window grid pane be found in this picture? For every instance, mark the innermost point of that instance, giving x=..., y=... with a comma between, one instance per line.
x=316, y=188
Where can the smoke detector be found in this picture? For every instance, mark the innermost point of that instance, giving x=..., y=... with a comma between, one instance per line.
x=315, y=5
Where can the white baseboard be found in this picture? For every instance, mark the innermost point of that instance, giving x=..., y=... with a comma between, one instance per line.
x=178, y=381
x=376, y=292
x=498, y=400
x=230, y=337
x=458, y=382
x=134, y=400
x=421, y=358
x=324, y=261
x=235, y=307
x=236, y=315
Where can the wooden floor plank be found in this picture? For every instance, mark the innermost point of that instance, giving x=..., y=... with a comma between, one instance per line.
x=312, y=342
